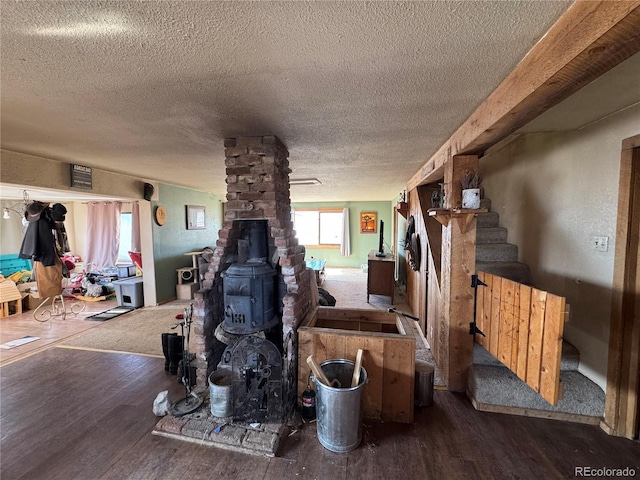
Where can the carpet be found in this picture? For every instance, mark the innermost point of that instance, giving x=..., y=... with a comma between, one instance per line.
x=349, y=287
x=109, y=314
x=136, y=332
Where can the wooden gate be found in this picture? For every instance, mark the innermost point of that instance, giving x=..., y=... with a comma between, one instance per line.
x=523, y=328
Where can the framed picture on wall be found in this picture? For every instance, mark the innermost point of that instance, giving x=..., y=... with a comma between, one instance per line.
x=196, y=219
x=368, y=221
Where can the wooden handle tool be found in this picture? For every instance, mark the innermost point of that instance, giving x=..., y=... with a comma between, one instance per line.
x=355, y=380
x=317, y=371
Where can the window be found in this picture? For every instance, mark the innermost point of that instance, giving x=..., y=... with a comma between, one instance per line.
x=320, y=228
x=125, y=237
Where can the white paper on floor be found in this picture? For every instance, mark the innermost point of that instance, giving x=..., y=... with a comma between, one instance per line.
x=19, y=341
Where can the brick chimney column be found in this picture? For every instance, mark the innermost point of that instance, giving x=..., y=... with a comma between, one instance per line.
x=257, y=188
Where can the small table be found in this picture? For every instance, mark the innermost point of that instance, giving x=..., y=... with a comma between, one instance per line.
x=318, y=266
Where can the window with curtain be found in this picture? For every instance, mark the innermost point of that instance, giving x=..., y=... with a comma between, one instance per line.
x=318, y=228
x=125, y=237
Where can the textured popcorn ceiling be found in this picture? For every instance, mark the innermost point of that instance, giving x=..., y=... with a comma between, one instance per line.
x=362, y=93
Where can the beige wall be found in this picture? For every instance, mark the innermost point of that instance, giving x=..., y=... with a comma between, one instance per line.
x=554, y=192
x=22, y=169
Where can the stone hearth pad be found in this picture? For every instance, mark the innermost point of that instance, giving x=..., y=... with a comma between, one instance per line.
x=202, y=428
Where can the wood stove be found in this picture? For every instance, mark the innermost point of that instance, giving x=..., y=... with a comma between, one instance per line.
x=249, y=288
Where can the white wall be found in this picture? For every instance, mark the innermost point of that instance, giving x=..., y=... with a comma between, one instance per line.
x=554, y=192
x=11, y=230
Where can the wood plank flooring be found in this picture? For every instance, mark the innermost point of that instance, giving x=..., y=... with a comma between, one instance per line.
x=74, y=414
x=53, y=331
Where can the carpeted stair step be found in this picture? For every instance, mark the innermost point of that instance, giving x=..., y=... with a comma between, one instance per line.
x=516, y=271
x=485, y=203
x=570, y=359
x=489, y=219
x=496, y=388
x=491, y=235
x=496, y=252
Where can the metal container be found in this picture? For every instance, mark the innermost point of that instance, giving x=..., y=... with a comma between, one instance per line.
x=424, y=383
x=339, y=409
x=220, y=393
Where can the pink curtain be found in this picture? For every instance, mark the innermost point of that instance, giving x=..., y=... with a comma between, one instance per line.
x=135, y=227
x=103, y=235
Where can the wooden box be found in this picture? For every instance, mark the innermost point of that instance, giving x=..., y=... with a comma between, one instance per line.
x=389, y=358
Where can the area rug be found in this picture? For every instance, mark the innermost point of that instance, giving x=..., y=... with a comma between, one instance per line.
x=109, y=314
x=136, y=332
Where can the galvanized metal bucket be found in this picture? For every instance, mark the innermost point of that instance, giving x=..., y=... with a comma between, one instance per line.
x=339, y=409
x=220, y=393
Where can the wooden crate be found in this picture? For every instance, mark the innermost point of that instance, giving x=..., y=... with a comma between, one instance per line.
x=389, y=358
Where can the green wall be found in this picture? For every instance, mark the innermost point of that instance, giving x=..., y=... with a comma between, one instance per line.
x=172, y=240
x=361, y=244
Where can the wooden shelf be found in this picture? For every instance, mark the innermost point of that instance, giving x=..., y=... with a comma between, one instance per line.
x=402, y=208
x=444, y=216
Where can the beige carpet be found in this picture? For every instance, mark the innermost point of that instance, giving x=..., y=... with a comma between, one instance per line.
x=349, y=287
x=136, y=332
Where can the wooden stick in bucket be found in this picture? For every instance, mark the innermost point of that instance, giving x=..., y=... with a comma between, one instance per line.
x=355, y=380
x=317, y=371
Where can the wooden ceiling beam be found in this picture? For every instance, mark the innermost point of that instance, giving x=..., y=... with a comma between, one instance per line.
x=590, y=39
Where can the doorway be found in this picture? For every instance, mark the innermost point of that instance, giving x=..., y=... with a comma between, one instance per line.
x=622, y=403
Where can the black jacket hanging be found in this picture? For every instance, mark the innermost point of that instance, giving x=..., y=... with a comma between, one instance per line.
x=38, y=243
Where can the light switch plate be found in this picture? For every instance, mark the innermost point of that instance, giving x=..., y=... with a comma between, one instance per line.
x=600, y=244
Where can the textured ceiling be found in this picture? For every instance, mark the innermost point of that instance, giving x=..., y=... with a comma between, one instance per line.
x=362, y=93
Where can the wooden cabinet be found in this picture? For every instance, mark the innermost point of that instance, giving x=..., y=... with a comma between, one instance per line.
x=381, y=275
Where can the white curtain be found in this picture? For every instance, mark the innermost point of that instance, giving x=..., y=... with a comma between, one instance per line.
x=135, y=227
x=103, y=234
x=345, y=244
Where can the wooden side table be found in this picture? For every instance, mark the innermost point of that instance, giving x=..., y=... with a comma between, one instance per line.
x=381, y=275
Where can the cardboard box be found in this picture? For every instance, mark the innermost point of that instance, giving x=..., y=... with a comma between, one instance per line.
x=26, y=287
x=32, y=301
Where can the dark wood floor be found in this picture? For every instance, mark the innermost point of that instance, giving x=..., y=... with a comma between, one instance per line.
x=73, y=414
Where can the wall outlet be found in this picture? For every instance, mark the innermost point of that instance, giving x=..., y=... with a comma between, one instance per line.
x=600, y=244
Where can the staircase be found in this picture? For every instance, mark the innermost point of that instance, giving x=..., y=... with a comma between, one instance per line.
x=492, y=386
x=493, y=254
